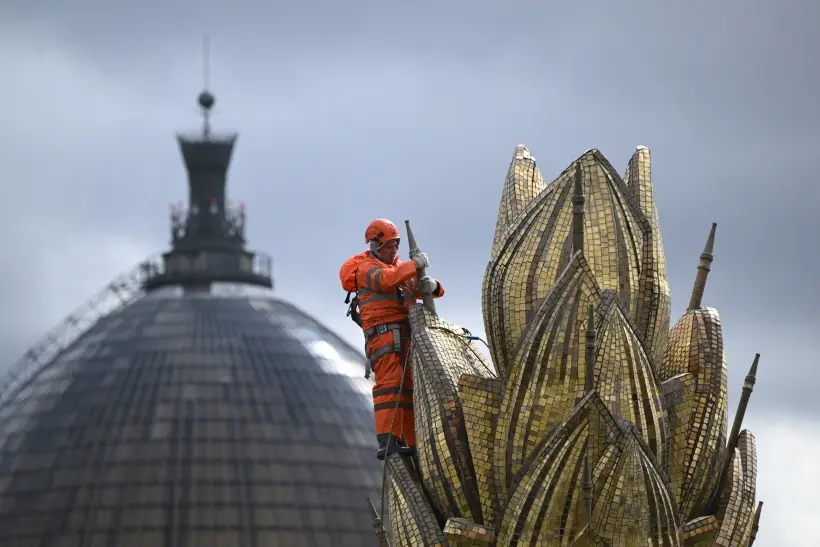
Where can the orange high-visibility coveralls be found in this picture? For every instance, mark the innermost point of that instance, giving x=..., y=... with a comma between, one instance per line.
x=378, y=286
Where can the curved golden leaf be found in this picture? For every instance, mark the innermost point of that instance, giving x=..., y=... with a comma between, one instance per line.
x=440, y=356
x=654, y=303
x=546, y=378
x=522, y=184
x=411, y=518
x=737, y=501
x=625, y=379
x=747, y=446
x=678, y=398
x=546, y=505
x=634, y=480
x=481, y=403
x=696, y=346
x=534, y=251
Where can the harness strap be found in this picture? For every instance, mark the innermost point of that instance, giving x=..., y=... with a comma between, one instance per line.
x=378, y=353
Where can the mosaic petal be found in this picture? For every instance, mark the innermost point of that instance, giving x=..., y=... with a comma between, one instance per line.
x=625, y=379
x=441, y=355
x=546, y=379
x=536, y=250
x=412, y=520
x=630, y=503
x=696, y=346
x=654, y=303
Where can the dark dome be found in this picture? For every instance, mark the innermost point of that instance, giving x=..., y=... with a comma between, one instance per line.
x=198, y=421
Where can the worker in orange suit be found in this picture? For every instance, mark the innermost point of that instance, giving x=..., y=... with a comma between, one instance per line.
x=385, y=288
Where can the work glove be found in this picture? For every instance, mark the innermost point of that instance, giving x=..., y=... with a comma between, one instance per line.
x=427, y=285
x=419, y=259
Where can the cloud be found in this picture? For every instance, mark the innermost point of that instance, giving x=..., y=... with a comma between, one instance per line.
x=790, y=506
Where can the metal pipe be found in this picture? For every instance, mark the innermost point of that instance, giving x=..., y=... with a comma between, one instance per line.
x=411, y=242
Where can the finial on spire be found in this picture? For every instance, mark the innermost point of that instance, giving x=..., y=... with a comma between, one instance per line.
x=704, y=266
x=208, y=239
x=578, y=211
x=206, y=100
x=748, y=387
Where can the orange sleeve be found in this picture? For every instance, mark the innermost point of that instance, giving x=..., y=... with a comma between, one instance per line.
x=440, y=291
x=384, y=278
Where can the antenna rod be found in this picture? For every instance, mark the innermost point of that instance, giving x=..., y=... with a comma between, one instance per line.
x=206, y=61
x=206, y=100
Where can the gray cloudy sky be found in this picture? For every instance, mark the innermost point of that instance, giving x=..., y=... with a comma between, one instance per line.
x=354, y=110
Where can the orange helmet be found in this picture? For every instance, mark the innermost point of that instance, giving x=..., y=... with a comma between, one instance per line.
x=381, y=231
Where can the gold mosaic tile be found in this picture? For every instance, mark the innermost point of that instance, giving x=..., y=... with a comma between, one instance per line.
x=440, y=356
x=481, y=403
x=546, y=500
x=696, y=346
x=700, y=532
x=678, y=397
x=545, y=381
x=412, y=519
x=737, y=504
x=463, y=533
x=654, y=306
x=523, y=183
x=595, y=424
x=625, y=379
x=530, y=254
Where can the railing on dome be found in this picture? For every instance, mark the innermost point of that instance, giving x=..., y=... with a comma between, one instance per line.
x=184, y=220
x=122, y=291
x=262, y=266
x=259, y=272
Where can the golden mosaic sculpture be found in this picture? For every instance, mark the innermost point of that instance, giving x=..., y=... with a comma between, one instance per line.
x=595, y=424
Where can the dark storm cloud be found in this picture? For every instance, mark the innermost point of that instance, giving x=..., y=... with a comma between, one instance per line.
x=349, y=111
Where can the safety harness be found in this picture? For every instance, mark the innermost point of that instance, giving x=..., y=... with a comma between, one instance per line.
x=395, y=328
x=378, y=353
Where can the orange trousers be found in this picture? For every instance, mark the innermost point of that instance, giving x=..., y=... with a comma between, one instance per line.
x=393, y=390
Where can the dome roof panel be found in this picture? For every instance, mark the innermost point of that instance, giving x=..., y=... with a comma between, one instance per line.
x=192, y=419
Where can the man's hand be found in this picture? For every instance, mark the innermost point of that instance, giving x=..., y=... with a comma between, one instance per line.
x=419, y=259
x=427, y=285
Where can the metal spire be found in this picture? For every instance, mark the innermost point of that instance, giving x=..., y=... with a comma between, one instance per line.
x=208, y=239
x=756, y=523
x=206, y=99
x=704, y=266
x=731, y=443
